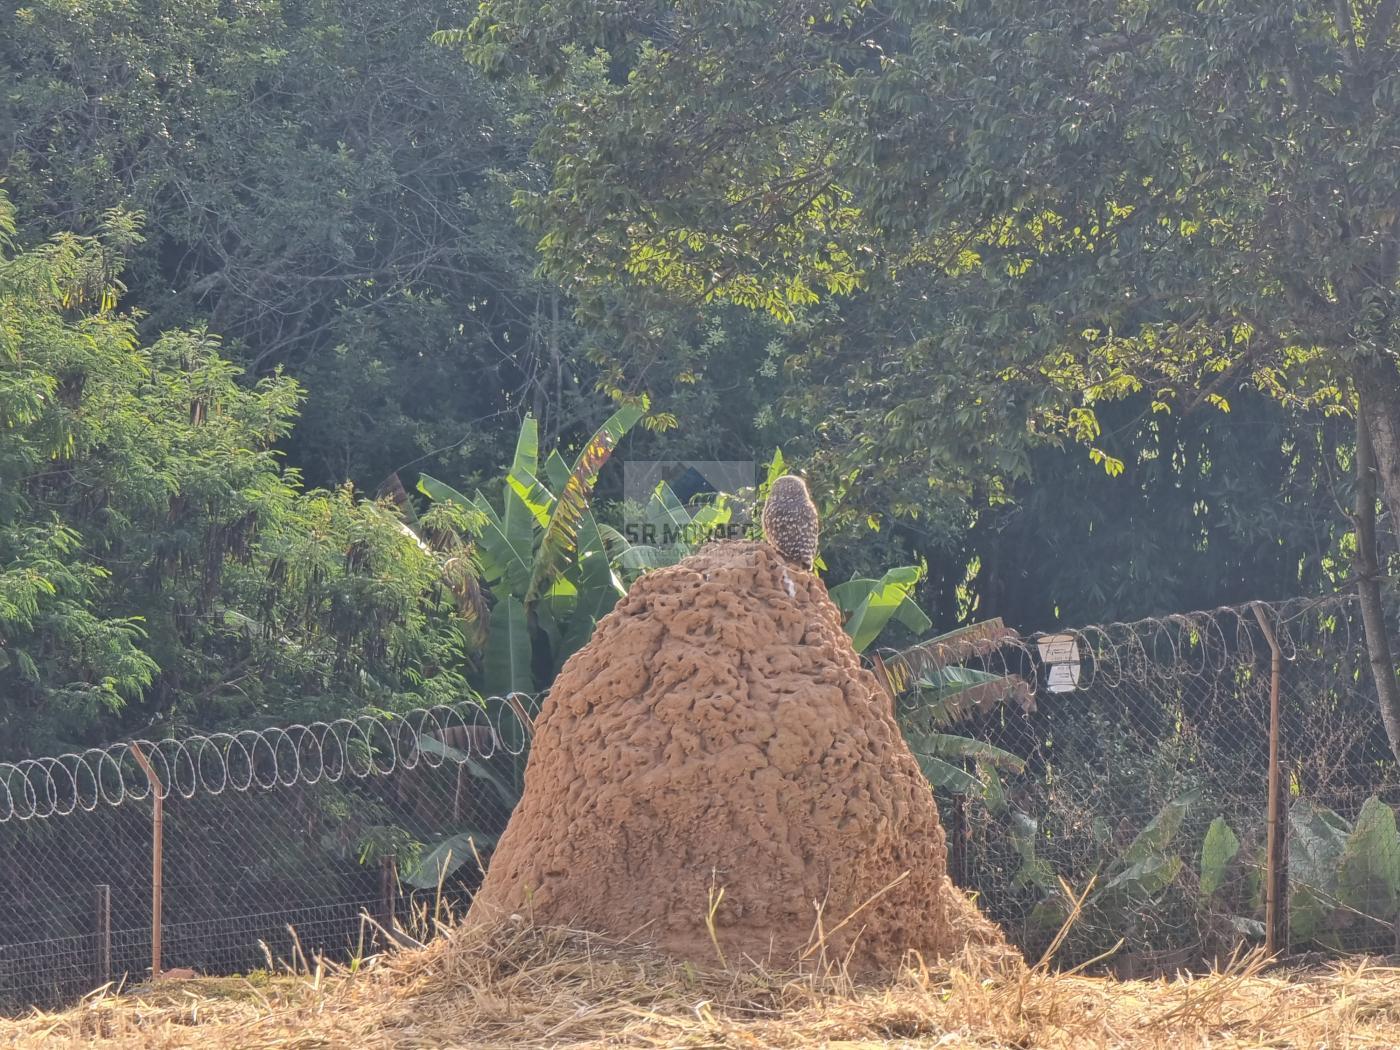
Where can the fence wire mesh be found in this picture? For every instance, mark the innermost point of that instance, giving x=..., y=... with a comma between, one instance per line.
x=1141, y=775
x=1133, y=764
x=276, y=843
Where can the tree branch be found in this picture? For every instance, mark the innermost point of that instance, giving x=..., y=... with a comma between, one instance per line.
x=1346, y=31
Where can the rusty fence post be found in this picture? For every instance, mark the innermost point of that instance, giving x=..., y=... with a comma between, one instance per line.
x=1275, y=885
x=157, y=852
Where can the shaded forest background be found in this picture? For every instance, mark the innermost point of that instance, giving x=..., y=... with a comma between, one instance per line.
x=304, y=218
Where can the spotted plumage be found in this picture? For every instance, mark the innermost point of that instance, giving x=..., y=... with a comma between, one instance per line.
x=790, y=520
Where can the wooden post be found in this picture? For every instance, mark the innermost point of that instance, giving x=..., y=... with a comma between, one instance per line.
x=157, y=852
x=1275, y=887
x=388, y=892
x=102, y=928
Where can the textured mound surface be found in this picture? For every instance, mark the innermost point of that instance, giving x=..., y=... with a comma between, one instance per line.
x=718, y=732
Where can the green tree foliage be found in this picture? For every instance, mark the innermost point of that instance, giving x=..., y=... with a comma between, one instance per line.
x=321, y=187
x=993, y=221
x=1092, y=199
x=329, y=191
x=157, y=563
x=1211, y=508
x=845, y=228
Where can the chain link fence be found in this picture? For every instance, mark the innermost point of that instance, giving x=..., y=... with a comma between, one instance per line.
x=1126, y=783
x=1137, y=784
x=275, y=844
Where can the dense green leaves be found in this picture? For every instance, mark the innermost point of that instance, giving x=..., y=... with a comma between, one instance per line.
x=1132, y=876
x=325, y=189
x=156, y=561
x=962, y=260
x=1340, y=872
x=328, y=190
x=1317, y=837
x=994, y=227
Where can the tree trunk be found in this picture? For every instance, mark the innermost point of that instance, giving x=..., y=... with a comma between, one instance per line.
x=1368, y=587
x=1378, y=392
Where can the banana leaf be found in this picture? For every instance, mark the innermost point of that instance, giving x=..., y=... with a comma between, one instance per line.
x=1369, y=877
x=1220, y=846
x=599, y=586
x=901, y=669
x=517, y=520
x=501, y=562
x=666, y=513
x=572, y=503
x=1317, y=839
x=446, y=857
x=508, y=651
x=871, y=604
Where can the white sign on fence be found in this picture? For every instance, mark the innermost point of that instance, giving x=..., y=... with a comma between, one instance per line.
x=1060, y=653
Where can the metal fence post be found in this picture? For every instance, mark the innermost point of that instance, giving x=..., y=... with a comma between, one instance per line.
x=1275, y=884
x=388, y=892
x=157, y=853
x=102, y=928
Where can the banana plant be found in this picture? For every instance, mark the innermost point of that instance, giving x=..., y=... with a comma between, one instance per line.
x=665, y=516
x=929, y=672
x=1339, y=872
x=1229, y=883
x=546, y=567
x=870, y=605
x=941, y=694
x=1138, y=875
x=928, y=689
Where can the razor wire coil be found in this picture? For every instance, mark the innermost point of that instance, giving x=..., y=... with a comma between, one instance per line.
x=247, y=760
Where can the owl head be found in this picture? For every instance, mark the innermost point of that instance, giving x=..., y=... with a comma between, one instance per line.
x=789, y=486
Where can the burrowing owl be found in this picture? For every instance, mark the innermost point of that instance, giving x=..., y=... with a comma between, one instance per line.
x=790, y=520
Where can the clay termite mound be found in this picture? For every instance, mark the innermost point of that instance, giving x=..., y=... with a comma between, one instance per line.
x=717, y=759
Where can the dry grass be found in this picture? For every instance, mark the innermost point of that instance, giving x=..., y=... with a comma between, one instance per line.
x=526, y=988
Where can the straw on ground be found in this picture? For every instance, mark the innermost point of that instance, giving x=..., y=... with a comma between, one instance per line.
x=524, y=987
